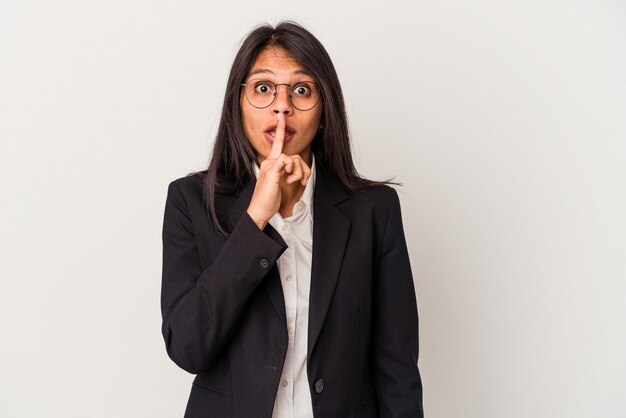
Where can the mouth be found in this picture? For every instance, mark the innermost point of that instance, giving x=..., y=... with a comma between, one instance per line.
x=270, y=133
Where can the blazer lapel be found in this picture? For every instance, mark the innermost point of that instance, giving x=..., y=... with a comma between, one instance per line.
x=271, y=283
x=330, y=235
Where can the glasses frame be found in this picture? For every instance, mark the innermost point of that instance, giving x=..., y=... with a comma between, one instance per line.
x=319, y=96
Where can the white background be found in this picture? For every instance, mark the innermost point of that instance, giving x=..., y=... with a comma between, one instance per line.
x=505, y=120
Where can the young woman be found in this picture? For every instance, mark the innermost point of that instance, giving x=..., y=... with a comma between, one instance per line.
x=286, y=285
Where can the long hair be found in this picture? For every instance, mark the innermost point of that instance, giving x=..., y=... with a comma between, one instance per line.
x=231, y=163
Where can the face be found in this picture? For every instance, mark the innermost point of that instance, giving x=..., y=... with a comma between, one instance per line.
x=276, y=65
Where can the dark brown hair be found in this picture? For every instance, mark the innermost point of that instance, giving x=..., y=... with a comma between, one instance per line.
x=231, y=164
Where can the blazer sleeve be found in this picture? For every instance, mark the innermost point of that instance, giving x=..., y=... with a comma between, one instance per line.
x=201, y=308
x=397, y=379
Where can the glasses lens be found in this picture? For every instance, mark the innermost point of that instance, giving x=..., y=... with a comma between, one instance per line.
x=260, y=93
x=304, y=95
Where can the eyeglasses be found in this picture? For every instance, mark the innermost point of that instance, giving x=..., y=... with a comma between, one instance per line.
x=261, y=93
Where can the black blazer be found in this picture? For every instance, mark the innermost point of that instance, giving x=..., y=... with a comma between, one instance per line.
x=224, y=312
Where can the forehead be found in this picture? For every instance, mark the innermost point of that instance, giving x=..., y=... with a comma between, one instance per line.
x=276, y=61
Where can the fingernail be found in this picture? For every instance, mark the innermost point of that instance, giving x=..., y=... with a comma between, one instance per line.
x=278, y=117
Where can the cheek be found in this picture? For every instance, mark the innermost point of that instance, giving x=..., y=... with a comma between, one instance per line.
x=247, y=120
x=319, y=112
x=250, y=121
x=317, y=121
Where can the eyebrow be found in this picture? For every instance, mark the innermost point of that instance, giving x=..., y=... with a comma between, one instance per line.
x=268, y=71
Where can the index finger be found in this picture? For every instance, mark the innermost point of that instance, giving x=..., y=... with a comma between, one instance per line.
x=279, y=139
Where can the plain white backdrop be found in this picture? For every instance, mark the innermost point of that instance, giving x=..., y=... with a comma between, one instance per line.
x=505, y=120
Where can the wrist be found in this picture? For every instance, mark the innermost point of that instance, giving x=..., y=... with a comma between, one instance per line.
x=259, y=222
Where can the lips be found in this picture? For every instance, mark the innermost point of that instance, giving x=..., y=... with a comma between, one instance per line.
x=288, y=129
x=270, y=132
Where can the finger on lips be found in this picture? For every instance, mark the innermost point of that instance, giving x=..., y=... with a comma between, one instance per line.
x=293, y=165
x=279, y=138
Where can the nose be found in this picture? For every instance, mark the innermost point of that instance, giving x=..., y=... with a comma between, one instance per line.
x=282, y=102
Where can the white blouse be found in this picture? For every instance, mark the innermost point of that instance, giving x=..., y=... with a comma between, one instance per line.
x=293, y=399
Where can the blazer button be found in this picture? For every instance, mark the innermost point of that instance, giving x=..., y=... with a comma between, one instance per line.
x=264, y=262
x=319, y=386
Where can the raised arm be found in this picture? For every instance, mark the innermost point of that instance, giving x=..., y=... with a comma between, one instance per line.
x=201, y=308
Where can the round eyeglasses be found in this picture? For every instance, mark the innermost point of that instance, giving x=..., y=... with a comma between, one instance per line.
x=261, y=93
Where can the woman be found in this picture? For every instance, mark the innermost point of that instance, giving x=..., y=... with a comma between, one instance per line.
x=286, y=285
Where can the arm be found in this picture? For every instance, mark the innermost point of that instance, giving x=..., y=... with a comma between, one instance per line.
x=395, y=347
x=201, y=308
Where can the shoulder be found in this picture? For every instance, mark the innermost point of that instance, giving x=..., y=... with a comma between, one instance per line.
x=364, y=195
x=188, y=188
x=364, y=203
x=381, y=198
x=380, y=195
x=190, y=182
x=185, y=197
x=375, y=214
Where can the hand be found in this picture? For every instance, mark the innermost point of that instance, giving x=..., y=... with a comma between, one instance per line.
x=266, y=198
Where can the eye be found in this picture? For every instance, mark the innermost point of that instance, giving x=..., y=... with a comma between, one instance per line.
x=262, y=87
x=302, y=90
